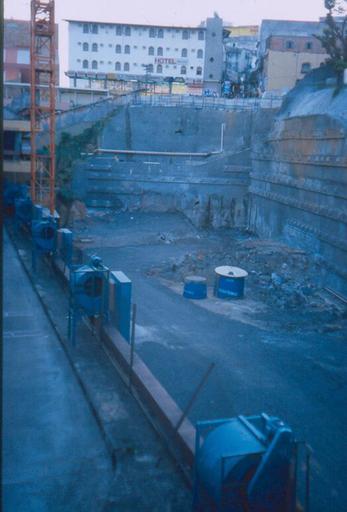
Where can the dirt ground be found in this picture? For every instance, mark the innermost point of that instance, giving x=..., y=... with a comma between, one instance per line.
x=284, y=288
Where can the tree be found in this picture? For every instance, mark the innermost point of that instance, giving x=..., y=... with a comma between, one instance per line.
x=334, y=37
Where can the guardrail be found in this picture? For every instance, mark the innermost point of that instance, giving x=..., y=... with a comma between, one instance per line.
x=174, y=100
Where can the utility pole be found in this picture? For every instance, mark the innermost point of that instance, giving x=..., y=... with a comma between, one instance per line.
x=42, y=105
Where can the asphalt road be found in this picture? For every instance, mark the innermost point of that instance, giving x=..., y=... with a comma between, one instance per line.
x=299, y=377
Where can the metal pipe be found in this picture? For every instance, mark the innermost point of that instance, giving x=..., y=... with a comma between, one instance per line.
x=194, y=396
x=158, y=153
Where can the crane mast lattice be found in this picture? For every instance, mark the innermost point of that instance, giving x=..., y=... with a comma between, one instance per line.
x=42, y=105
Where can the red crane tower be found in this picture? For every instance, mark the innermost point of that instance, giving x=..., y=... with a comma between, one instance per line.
x=42, y=106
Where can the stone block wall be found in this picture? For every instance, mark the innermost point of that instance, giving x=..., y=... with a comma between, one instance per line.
x=298, y=185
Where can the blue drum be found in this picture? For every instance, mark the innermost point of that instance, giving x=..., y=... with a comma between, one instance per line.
x=229, y=282
x=195, y=287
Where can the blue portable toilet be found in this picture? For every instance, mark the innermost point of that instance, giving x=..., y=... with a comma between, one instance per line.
x=245, y=463
x=229, y=282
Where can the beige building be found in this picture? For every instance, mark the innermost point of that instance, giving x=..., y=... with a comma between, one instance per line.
x=288, y=59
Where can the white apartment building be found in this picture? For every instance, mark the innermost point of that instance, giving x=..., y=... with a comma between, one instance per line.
x=133, y=52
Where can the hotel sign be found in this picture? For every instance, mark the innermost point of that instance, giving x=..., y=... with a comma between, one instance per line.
x=164, y=60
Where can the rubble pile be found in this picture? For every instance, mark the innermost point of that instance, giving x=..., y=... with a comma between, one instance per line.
x=282, y=277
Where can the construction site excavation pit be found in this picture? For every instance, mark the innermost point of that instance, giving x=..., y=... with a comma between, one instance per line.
x=281, y=348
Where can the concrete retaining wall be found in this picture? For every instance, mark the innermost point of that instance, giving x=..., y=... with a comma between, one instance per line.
x=283, y=175
x=211, y=190
x=298, y=189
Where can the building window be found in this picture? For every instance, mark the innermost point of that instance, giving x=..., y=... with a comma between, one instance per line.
x=94, y=28
x=94, y=47
x=289, y=45
x=150, y=50
x=149, y=68
x=159, y=68
x=118, y=66
x=199, y=70
x=309, y=46
x=211, y=59
x=160, y=51
x=78, y=60
x=200, y=54
x=126, y=48
x=161, y=33
x=151, y=32
x=118, y=30
x=127, y=31
x=185, y=34
x=85, y=28
x=210, y=75
x=183, y=70
x=184, y=52
x=305, y=67
x=94, y=64
x=85, y=47
x=126, y=66
x=85, y=64
x=201, y=35
x=118, y=48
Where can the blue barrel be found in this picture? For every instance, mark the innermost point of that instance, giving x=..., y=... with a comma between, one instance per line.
x=229, y=282
x=195, y=287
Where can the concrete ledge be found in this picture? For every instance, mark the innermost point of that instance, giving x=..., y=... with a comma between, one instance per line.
x=151, y=393
x=157, y=400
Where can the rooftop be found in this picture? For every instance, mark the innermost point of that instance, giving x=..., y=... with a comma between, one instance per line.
x=198, y=27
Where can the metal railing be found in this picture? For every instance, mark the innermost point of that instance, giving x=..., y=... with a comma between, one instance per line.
x=175, y=100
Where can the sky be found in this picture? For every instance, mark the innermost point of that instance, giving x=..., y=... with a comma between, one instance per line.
x=174, y=12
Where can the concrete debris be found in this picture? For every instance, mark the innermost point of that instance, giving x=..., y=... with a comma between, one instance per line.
x=283, y=278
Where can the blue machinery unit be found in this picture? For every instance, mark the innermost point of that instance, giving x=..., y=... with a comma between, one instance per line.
x=246, y=464
x=13, y=192
x=88, y=293
x=44, y=234
x=23, y=211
